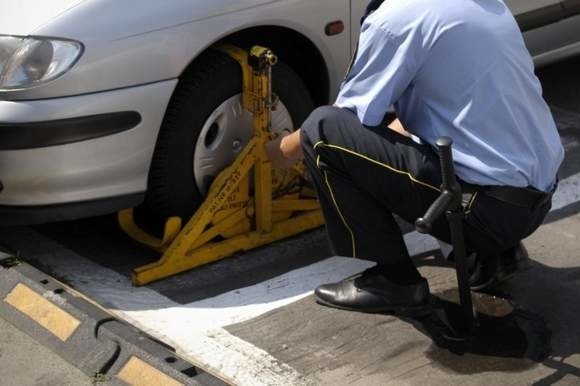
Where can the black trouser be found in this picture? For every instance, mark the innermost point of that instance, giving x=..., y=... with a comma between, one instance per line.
x=363, y=175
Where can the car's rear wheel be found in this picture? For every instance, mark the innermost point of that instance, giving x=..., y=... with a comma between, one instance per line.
x=206, y=127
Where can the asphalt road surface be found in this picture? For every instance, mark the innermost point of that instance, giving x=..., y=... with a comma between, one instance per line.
x=282, y=323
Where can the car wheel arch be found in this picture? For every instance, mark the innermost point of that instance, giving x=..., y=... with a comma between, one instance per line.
x=292, y=47
x=163, y=198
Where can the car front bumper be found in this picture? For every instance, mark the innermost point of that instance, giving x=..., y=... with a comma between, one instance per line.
x=81, y=149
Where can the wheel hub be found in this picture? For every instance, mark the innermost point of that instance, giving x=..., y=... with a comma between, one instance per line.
x=223, y=136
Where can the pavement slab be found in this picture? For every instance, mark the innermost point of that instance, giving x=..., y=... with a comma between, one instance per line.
x=23, y=361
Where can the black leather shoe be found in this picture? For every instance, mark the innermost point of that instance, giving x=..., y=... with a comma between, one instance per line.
x=372, y=292
x=490, y=272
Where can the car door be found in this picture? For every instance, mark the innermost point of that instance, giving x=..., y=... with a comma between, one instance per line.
x=551, y=28
x=532, y=14
x=563, y=36
x=357, y=8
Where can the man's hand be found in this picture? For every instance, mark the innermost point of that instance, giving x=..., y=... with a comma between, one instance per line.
x=285, y=151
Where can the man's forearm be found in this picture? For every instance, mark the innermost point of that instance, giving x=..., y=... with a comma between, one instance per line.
x=292, y=150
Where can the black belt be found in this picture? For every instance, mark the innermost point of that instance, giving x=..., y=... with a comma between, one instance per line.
x=523, y=197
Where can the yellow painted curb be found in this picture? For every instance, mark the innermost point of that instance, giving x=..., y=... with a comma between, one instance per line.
x=42, y=311
x=137, y=372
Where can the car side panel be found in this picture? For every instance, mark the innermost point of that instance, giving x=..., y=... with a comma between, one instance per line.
x=550, y=27
x=556, y=26
x=109, y=166
x=554, y=42
x=110, y=63
x=22, y=17
x=357, y=10
x=519, y=7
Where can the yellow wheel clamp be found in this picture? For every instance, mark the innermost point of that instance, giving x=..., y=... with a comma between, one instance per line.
x=231, y=219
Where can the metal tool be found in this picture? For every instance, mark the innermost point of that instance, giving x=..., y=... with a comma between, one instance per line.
x=449, y=202
x=242, y=210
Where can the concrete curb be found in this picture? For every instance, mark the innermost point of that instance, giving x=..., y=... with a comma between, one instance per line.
x=88, y=337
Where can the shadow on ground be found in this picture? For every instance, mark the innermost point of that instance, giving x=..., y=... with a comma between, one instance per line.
x=101, y=240
x=542, y=300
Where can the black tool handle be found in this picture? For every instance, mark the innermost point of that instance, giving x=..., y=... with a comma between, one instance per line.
x=446, y=160
x=449, y=202
x=438, y=207
x=449, y=189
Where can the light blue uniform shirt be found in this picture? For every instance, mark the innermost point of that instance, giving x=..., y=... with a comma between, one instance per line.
x=458, y=68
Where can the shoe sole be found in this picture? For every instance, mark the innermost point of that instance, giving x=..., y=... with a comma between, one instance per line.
x=418, y=310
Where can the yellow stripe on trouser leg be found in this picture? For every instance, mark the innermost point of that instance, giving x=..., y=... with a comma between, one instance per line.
x=468, y=209
x=386, y=166
x=389, y=167
x=340, y=214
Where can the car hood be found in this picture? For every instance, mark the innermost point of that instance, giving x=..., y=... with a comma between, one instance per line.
x=113, y=18
x=23, y=17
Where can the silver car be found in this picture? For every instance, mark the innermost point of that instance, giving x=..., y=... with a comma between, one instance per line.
x=108, y=104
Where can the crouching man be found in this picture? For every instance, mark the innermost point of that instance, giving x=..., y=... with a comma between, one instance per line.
x=456, y=68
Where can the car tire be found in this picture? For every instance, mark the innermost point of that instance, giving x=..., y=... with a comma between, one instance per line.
x=212, y=79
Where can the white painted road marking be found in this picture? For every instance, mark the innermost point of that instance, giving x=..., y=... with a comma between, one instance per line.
x=194, y=329
x=568, y=192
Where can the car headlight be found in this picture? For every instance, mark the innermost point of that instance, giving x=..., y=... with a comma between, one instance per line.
x=29, y=61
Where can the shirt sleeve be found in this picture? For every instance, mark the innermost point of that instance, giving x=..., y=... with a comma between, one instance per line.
x=385, y=65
